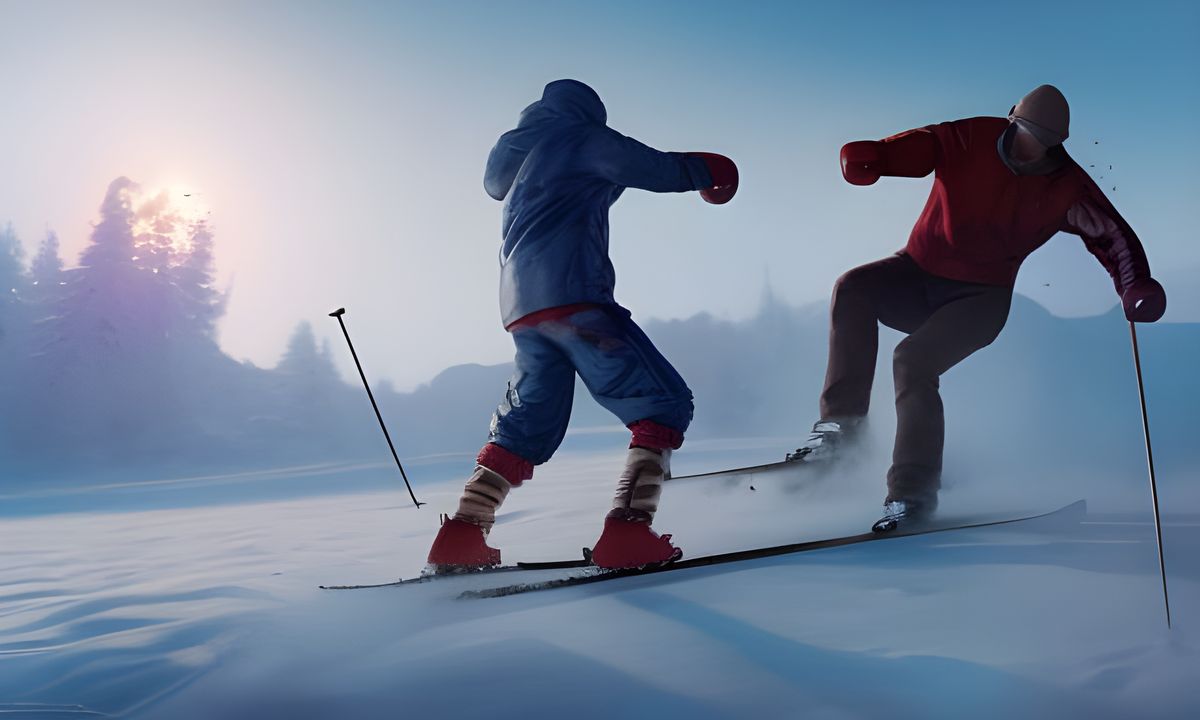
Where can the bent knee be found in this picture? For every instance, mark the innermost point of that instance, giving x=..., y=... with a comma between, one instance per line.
x=675, y=415
x=852, y=282
x=910, y=364
x=679, y=418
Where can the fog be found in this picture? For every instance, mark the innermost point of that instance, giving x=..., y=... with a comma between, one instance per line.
x=183, y=581
x=112, y=374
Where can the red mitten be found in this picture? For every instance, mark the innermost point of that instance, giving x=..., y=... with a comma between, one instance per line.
x=862, y=162
x=1144, y=300
x=724, y=177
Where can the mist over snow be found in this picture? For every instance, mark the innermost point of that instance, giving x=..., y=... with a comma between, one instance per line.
x=112, y=374
x=214, y=612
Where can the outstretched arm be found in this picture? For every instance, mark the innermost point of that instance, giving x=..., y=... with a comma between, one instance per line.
x=1113, y=242
x=910, y=154
x=626, y=162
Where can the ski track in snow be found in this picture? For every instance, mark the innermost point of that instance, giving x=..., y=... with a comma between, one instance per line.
x=214, y=611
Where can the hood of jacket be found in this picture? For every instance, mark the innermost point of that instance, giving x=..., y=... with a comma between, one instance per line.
x=562, y=102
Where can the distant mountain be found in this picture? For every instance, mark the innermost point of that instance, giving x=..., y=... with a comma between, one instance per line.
x=1183, y=293
x=1050, y=395
x=1065, y=393
x=1049, y=387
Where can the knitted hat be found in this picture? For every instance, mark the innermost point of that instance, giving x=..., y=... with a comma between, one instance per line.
x=1044, y=113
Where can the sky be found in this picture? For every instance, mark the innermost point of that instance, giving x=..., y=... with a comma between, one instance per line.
x=338, y=148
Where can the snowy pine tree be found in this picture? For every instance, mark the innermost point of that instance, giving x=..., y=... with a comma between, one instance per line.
x=47, y=277
x=124, y=371
x=314, y=400
x=199, y=304
x=104, y=357
x=13, y=290
x=102, y=297
x=15, y=324
x=302, y=359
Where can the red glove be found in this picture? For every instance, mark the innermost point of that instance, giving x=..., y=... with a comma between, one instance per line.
x=1144, y=300
x=724, y=177
x=862, y=162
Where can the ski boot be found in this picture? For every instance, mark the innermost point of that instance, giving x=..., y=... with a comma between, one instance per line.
x=460, y=546
x=823, y=442
x=629, y=542
x=904, y=514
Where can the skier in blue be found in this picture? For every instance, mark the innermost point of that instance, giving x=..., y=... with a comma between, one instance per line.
x=558, y=172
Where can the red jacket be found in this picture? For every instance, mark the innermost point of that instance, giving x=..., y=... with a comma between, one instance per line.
x=982, y=219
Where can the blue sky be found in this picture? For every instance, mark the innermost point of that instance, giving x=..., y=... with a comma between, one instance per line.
x=340, y=146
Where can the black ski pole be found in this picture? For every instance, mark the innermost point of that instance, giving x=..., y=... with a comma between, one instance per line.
x=1162, y=566
x=338, y=314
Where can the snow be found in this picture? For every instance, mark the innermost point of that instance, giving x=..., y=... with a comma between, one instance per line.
x=213, y=611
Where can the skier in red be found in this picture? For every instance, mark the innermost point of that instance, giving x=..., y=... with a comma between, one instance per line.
x=1002, y=188
x=558, y=172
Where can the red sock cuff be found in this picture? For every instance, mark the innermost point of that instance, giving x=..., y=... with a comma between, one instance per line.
x=649, y=434
x=509, y=465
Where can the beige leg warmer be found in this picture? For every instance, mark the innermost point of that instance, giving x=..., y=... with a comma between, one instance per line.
x=641, y=482
x=484, y=493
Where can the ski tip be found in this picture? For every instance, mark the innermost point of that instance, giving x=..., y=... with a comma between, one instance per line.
x=882, y=527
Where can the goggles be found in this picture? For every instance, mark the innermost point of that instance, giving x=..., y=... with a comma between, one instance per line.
x=1047, y=137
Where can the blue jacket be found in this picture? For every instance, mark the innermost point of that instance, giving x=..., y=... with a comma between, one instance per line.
x=558, y=172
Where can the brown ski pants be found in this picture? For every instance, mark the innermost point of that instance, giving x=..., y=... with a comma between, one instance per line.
x=946, y=320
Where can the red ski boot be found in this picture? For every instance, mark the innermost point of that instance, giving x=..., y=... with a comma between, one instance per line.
x=628, y=542
x=461, y=546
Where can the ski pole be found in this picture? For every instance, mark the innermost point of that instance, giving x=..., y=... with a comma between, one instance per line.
x=338, y=314
x=1162, y=567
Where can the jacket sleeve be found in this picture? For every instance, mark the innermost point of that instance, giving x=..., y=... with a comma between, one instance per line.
x=913, y=153
x=1106, y=235
x=626, y=162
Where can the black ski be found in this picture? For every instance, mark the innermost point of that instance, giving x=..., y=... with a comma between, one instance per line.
x=551, y=565
x=740, y=470
x=591, y=575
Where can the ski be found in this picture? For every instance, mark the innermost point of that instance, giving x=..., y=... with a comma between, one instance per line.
x=739, y=470
x=591, y=574
x=549, y=565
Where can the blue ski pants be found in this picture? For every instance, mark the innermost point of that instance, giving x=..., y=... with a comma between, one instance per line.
x=621, y=368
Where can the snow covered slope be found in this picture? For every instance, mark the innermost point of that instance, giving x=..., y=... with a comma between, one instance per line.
x=214, y=612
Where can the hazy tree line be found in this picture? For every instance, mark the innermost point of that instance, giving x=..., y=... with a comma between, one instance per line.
x=113, y=365
x=111, y=369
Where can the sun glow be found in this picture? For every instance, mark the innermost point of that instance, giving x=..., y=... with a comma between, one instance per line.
x=166, y=219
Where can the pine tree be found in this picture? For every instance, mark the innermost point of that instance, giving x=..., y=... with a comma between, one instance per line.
x=199, y=304
x=108, y=389
x=47, y=278
x=155, y=226
x=13, y=290
x=102, y=297
x=304, y=362
x=312, y=397
x=14, y=341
